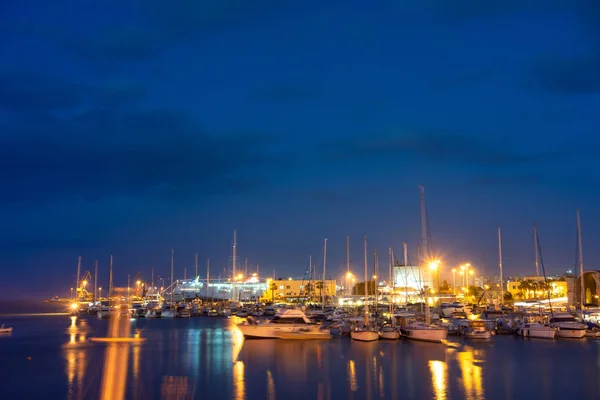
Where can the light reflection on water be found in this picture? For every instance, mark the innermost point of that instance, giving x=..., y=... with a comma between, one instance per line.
x=208, y=357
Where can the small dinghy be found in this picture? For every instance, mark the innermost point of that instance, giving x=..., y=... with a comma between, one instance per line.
x=5, y=329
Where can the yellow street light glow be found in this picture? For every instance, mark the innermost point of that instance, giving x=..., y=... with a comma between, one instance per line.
x=349, y=275
x=84, y=283
x=434, y=265
x=139, y=282
x=74, y=306
x=453, y=269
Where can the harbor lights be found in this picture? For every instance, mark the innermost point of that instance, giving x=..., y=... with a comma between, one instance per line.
x=100, y=292
x=434, y=266
x=454, y=281
x=349, y=276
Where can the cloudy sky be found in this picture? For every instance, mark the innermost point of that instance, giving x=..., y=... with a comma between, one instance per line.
x=134, y=127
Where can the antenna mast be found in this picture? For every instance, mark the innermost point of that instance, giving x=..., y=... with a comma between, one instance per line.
x=324, y=275
x=580, y=251
x=233, y=291
x=500, y=265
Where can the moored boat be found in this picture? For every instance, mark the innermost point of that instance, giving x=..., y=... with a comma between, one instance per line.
x=424, y=332
x=289, y=320
x=568, y=327
x=389, y=333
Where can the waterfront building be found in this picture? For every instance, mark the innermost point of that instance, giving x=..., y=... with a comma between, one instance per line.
x=591, y=283
x=410, y=279
x=534, y=287
x=293, y=289
x=246, y=289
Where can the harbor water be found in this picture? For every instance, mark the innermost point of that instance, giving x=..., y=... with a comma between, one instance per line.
x=50, y=355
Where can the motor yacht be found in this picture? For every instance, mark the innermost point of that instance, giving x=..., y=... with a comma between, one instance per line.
x=289, y=320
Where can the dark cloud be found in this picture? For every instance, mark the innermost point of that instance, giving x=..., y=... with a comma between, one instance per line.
x=433, y=146
x=163, y=24
x=37, y=94
x=118, y=45
x=27, y=92
x=511, y=180
x=155, y=153
x=288, y=93
x=12, y=244
x=577, y=75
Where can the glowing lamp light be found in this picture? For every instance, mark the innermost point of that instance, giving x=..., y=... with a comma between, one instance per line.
x=74, y=306
x=434, y=265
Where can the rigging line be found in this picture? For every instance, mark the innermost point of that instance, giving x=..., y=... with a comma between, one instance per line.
x=539, y=249
x=429, y=241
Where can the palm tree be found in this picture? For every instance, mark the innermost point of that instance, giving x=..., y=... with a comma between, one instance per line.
x=308, y=288
x=320, y=287
x=525, y=286
x=273, y=288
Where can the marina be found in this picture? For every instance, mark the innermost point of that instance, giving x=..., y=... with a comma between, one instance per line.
x=206, y=356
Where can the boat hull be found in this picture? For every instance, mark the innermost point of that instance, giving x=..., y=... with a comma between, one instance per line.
x=267, y=332
x=168, y=314
x=427, y=335
x=304, y=335
x=479, y=335
x=389, y=335
x=570, y=333
x=364, y=336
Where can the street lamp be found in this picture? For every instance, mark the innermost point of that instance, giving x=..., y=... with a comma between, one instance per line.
x=454, y=281
x=467, y=265
x=71, y=293
x=348, y=277
x=434, y=266
x=471, y=272
x=100, y=291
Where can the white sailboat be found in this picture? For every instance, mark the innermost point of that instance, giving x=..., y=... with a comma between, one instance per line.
x=536, y=329
x=390, y=332
x=365, y=333
x=171, y=310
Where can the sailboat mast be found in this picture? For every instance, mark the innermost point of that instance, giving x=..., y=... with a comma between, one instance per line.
x=580, y=251
x=196, y=263
x=366, y=287
x=375, y=278
x=405, y=248
x=110, y=280
x=233, y=294
x=77, y=292
x=424, y=234
x=347, y=253
x=391, y=282
x=172, y=264
x=310, y=281
x=207, y=275
x=537, y=257
x=95, y=280
x=537, y=254
x=347, y=264
x=500, y=265
x=324, y=275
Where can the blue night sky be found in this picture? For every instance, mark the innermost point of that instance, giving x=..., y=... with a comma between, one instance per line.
x=133, y=127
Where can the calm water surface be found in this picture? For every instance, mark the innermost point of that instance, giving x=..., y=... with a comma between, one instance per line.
x=51, y=357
